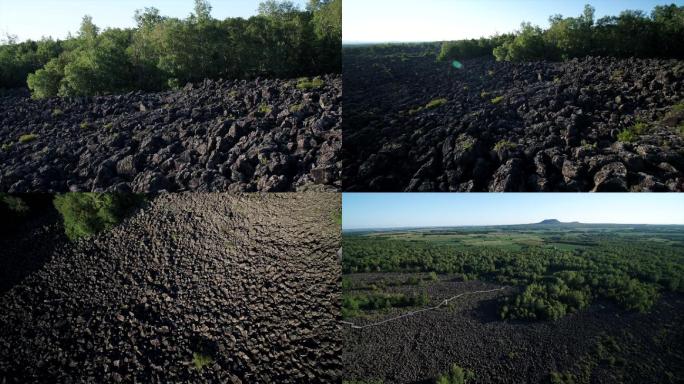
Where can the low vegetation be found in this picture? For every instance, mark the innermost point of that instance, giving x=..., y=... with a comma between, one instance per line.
x=456, y=375
x=430, y=105
x=354, y=303
x=632, y=133
x=305, y=83
x=200, y=360
x=27, y=138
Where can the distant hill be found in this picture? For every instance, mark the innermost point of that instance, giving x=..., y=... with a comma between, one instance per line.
x=554, y=221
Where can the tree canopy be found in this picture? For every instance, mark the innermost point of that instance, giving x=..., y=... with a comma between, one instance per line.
x=630, y=34
x=163, y=52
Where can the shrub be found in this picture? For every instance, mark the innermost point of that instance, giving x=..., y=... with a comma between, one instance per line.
x=13, y=204
x=632, y=133
x=504, y=144
x=85, y=214
x=435, y=103
x=430, y=105
x=84, y=125
x=497, y=100
x=57, y=112
x=7, y=147
x=201, y=360
x=305, y=84
x=27, y=138
x=264, y=108
x=456, y=375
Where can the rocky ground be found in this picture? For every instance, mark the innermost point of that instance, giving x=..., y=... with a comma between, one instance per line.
x=249, y=283
x=262, y=135
x=602, y=344
x=593, y=124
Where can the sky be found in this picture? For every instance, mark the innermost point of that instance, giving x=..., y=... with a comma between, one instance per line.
x=437, y=20
x=396, y=210
x=33, y=19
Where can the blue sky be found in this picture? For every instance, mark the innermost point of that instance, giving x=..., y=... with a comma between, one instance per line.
x=434, y=20
x=388, y=210
x=32, y=19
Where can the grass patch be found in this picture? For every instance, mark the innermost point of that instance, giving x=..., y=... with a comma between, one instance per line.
x=456, y=375
x=632, y=133
x=435, y=103
x=7, y=147
x=296, y=107
x=497, y=100
x=504, y=144
x=484, y=94
x=305, y=84
x=265, y=108
x=430, y=105
x=85, y=126
x=85, y=214
x=108, y=126
x=23, y=139
x=201, y=360
x=13, y=204
x=57, y=112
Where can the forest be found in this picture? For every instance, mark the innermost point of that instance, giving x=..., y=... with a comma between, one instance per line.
x=160, y=53
x=557, y=271
x=630, y=34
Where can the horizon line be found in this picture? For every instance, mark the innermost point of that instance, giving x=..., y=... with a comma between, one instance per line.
x=495, y=225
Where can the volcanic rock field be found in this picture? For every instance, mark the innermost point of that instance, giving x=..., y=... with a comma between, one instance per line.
x=603, y=344
x=248, y=285
x=593, y=124
x=261, y=135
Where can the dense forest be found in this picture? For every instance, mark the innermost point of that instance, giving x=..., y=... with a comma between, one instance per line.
x=163, y=52
x=554, y=280
x=631, y=34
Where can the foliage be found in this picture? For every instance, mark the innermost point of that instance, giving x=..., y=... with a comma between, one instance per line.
x=352, y=303
x=456, y=375
x=430, y=105
x=435, y=103
x=27, y=138
x=559, y=271
x=305, y=84
x=201, y=360
x=632, y=33
x=504, y=144
x=85, y=214
x=13, y=205
x=163, y=52
x=497, y=99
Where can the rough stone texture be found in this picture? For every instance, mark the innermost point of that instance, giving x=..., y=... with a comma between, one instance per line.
x=416, y=349
x=263, y=135
x=559, y=122
x=251, y=279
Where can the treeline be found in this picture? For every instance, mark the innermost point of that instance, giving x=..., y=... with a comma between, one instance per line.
x=161, y=52
x=631, y=34
x=553, y=281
